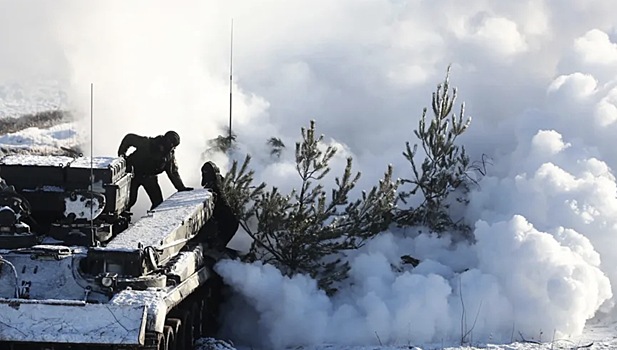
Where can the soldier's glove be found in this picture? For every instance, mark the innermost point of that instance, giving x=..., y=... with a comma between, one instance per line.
x=185, y=189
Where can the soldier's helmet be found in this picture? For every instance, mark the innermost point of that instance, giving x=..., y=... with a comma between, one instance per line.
x=210, y=174
x=172, y=138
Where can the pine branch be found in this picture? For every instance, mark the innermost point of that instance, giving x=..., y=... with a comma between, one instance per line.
x=445, y=168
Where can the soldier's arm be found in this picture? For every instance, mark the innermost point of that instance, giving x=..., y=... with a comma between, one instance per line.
x=174, y=176
x=131, y=140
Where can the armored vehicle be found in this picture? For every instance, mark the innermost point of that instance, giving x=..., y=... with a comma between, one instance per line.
x=77, y=273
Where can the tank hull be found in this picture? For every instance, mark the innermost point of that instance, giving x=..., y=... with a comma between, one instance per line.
x=150, y=283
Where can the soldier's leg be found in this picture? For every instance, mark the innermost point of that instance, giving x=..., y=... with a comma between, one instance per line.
x=135, y=183
x=227, y=223
x=151, y=185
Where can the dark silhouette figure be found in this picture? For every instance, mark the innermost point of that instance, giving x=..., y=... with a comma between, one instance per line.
x=226, y=221
x=152, y=156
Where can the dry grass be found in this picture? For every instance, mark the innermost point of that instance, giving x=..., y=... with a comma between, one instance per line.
x=41, y=120
x=44, y=119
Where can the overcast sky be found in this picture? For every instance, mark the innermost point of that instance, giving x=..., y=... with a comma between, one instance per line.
x=538, y=77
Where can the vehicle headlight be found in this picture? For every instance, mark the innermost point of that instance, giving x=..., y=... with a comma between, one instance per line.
x=107, y=281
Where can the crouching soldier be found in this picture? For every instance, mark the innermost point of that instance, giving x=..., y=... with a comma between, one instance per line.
x=226, y=221
x=152, y=156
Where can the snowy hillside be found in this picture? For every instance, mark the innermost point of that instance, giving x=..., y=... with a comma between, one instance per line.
x=21, y=98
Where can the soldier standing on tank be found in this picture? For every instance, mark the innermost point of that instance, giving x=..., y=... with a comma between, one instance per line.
x=152, y=156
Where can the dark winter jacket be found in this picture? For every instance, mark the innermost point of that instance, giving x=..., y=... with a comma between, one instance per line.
x=223, y=214
x=150, y=158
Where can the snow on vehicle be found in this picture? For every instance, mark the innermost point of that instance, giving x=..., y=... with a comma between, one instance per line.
x=75, y=273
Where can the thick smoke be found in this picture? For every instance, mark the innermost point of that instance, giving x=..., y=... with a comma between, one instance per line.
x=538, y=77
x=542, y=96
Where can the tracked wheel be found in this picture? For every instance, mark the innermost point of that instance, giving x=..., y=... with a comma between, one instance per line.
x=198, y=320
x=157, y=341
x=184, y=336
x=175, y=325
x=188, y=334
x=169, y=339
x=211, y=308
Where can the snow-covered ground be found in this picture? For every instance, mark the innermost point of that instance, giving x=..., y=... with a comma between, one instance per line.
x=18, y=98
x=596, y=336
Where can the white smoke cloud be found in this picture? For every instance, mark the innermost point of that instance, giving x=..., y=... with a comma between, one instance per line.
x=537, y=77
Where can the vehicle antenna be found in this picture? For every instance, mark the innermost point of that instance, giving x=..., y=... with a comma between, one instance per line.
x=231, y=55
x=92, y=162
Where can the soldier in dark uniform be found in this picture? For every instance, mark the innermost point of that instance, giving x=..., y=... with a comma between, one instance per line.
x=152, y=156
x=226, y=221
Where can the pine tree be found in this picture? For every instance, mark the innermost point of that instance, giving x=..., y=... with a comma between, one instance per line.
x=306, y=230
x=443, y=174
x=276, y=147
x=222, y=144
x=239, y=190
